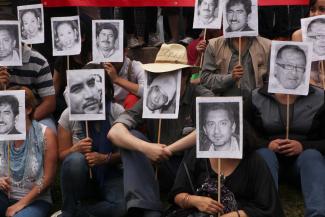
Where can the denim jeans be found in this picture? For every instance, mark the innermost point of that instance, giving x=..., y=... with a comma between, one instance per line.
x=75, y=184
x=38, y=208
x=309, y=170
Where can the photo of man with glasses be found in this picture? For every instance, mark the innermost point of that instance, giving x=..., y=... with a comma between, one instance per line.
x=316, y=34
x=290, y=68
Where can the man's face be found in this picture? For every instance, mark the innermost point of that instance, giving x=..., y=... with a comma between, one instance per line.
x=30, y=24
x=290, y=68
x=105, y=40
x=66, y=36
x=218, y=127
x=7, y=44
x=237, y=17
x=317, y=35
x=85, y=97
x=207, y=8
x=7, y=118
x=157, y=98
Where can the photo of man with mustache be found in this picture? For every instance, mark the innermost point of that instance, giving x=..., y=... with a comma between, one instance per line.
x=9, y=111
x=237, y=12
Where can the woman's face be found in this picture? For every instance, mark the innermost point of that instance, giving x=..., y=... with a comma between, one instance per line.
x=31, y=24
x=66, y=36
x=317, y=9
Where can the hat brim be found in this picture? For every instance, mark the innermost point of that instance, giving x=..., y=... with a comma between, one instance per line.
x=164, y=67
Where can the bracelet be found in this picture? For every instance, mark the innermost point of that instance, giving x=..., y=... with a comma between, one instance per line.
x=237, y=213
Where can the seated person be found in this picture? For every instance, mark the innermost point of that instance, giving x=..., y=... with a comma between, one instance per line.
x=140, y=186
x=25, y=190
x=301, y=156
x=246, y=185
x=81, y=154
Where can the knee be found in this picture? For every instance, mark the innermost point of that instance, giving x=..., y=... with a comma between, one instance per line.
x=74, y=164
x=310, y=157
x=268, y=155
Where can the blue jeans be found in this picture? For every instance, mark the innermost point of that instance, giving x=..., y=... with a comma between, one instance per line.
x=309, y=168
x=38, y=208
x=75, y=183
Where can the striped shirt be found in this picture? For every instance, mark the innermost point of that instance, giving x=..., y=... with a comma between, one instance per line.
x=35, y=73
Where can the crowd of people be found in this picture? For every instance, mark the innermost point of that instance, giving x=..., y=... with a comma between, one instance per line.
x=120, y=166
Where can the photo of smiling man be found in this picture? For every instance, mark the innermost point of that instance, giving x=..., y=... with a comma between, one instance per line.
x=219, y=127
x=12, y=115
x=240, y=18
x=85, y=94
x=107, y=40
x=290, y=67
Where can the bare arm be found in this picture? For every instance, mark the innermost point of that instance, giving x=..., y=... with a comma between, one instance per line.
x=121, y=137
x=57, y=81
x=50, y=164
x=46, y=107
x=297, y=35
x=184, y=143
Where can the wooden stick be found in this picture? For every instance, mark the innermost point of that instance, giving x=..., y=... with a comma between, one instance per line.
x=239, y=58
x=288, y=116
x=202, y=54
x=158, y=141
x=68, y=63
x=219, y=182
x=323, y=72
x=9, y=173
x=87, y=135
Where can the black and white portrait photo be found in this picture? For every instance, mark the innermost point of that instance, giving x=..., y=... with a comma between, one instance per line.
x=66, y=39
x=107, y=40
x=31, y=23
x=240, y=18
x=10, y=43
x=313, y=30
x=161, y=95
x=12, y=115
x=290, y=67
x=86, y=91
x=207, y=14
x=219, y=127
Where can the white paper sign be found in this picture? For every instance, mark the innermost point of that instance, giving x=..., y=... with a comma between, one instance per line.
x=207, y=14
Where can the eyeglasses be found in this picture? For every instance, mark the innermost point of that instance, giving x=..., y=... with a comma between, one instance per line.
x=291, y=67
x=317, y=37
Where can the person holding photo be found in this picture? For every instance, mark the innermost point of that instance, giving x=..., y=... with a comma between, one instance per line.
x=247, y=188
x=31, y=24
x=25, y=190
x=80, y=154
x=66, y=35
x=300, y=157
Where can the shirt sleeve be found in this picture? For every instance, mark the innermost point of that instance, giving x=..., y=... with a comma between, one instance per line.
x=133, y=117
x=44, y=81
x=211, y=76
x=64, y=120
x=139, y=75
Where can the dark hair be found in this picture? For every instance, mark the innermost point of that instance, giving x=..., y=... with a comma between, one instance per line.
x=101, y=26
x=109, y=88
x=246, y=3
x=215, y=1
x=6, y=16
x=318, y=20
x=290, y=47
x=218, y=106
x=312, y=3
x=12, y=101
x=35, y=11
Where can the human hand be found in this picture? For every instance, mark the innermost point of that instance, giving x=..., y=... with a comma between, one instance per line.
x=111, y=71
x=157, y=152
x=206, y=204
x=237, y=72
x=13, y=209
x=290, y=148
x=5, y=184
x=275, y=144
x=201, y=46
x=95, y=158
x=82, y=146
x=4, y=76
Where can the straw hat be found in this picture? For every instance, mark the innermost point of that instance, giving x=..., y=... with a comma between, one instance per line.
x=170, y=57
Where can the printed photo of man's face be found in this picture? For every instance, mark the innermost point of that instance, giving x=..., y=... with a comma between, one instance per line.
x=316, y=34
x=7, y=44
x=85, y=96
x=9, y=109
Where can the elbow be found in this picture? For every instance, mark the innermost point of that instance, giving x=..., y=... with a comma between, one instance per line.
x=113, y=133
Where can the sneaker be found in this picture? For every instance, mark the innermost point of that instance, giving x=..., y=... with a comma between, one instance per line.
x=186, y=41
x=133, y=42
x=57, y=214
x=154, y=40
